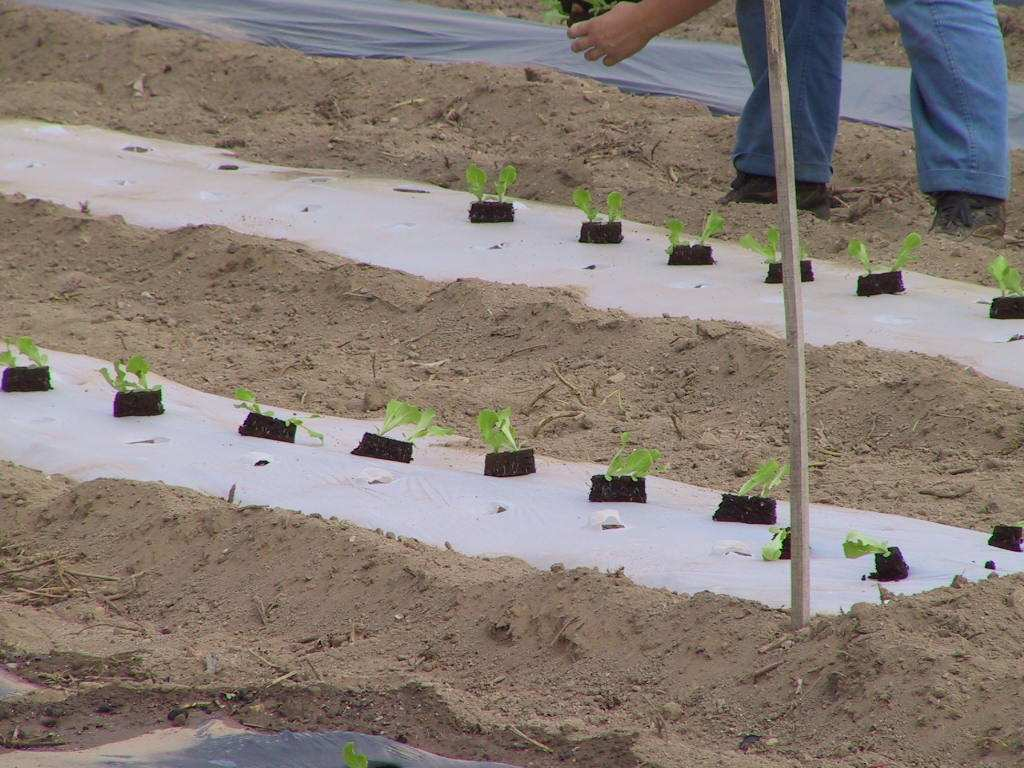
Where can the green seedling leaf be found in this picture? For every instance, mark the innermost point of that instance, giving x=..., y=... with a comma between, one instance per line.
x=766, y=479
x=581, y=199
x=353, y=757
x=675, y=234
x=301, y=424
x=7, y=359
x=773, y=549
x=497, y=431
x=910, y=244
x=639, y=463
x=139, y=368
x=859, y=250
x=28, y=348
x=614, y=206
x=506, y=179
x=398, y=414
x=425, y=427
x=713, y=225
x=1006, y=277
x=476, y=180
x=769, y=249
x=858, y=545
x=248, y=402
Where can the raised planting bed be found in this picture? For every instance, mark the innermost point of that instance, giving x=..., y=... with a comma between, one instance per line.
x=29, y=378
x=1007, y=537
x=774, y=276
x=593, y=230
x=879, y=283
x=139, y=403
x=494, y=211
x=891, y=567
x=1007, y=308
x=618, y=489
x=386, y=448
x=24, y=378
x=268, y=428
x=753, y=510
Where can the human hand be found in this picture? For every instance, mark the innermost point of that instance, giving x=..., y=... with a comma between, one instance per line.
x=613, y=36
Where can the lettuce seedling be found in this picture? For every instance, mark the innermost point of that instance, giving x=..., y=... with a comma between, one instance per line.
x=773, y=549
x=635, y=465
x=675, y=234
x=353, y=757
x=713, y=225
x=554, y=13
x=476, y=179
x=582, y=199
x=25, y=347
x=858, y=249
x=138, y=367
x=497, y=431
x=400, y=414
x=766, y=479
x=247, y=400
x=858, y=545
x=1006, y=276
x=769, y=249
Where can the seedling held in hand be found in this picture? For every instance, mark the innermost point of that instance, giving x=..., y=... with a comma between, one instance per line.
x=766, y=479
x=858, y=545
x=635, y=465
x=247, y=400
x=497, y=431
x=769, y=249
x=136, y=366
x=1006, y=277
x=25, y=347
x=476, y=179
x=401, y=414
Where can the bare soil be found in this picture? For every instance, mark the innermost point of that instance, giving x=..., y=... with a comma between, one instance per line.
x=872, y=35
x=162, y=598
x=426, y=122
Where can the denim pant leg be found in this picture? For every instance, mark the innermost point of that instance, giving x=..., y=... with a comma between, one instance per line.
x=814, y=31
x=958, y=94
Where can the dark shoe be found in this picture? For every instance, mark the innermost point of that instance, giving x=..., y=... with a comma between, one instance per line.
x=751, y=188
x=962, y=214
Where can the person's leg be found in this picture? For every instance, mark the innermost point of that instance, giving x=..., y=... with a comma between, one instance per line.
x=958, y=94
x=814, y=31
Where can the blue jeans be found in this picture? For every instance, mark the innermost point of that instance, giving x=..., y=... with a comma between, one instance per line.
x=958, y=90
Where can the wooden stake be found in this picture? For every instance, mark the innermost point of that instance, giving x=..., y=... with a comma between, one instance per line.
x=782, y=136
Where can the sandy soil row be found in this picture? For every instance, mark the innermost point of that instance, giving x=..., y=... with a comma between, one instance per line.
x=426, y=122
x=449, y=652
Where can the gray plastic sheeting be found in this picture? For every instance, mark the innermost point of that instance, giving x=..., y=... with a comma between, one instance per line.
x=710, y=73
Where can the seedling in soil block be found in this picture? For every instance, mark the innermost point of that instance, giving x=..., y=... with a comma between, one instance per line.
x=506, y=458
x=573, y=11
x=779, y=547
x=353, y=757
x=262, y=423
x=889, y=562
x=134, y=398
x=1007, y=537
x=494, y=211
x=399, y=414
x=593, y=229
x=624, y=480
x=773, y=258
x=34, y=377
x=757, y=509
x=692, y=254
x=874, y=284
x=1009, y=306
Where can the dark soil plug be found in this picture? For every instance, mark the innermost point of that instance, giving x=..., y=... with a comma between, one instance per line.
x=787, y=552
x=491, y=212
x=775, y=272
x=1007, y=308
x=379, y=447
x=891, y=568
x=139, y=403
x=753, y=510
x=267, y=427
x=1007, y=537
x=990, y=565
x=878, y=283
x=26, y=379
x=691, y=256
x=577, y=10
x=510, y=463
x=618, y=489
x=227, y=167
x=601, y=232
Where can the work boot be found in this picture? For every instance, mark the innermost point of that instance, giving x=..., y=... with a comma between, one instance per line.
x=752, y=188
x=962, y=214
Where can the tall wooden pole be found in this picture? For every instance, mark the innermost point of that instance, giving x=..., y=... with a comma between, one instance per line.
x=782, y=134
